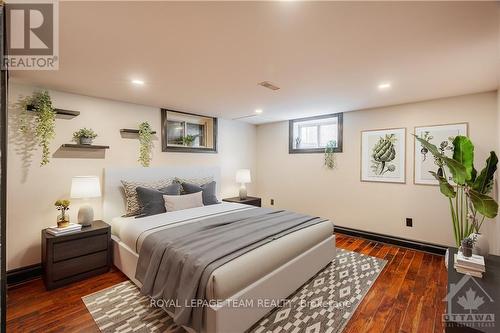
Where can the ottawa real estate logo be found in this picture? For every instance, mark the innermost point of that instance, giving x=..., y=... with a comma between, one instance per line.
x=468, y=304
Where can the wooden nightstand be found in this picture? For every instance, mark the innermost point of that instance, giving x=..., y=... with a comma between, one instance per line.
x=254, y=201
x=77, y=256
x=485, y=288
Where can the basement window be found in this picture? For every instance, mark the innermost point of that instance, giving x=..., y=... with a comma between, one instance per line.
x=188, y=133
x=312, y=134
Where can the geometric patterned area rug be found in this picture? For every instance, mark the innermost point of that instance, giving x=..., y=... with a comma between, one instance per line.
x=323, y=304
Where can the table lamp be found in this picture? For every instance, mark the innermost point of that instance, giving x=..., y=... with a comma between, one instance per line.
x=243, y=177
x=85, y=187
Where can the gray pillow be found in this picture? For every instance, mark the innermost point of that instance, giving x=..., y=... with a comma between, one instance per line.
x=133, y=204
x=151, y=200
x=208, y=189
x=195, y=181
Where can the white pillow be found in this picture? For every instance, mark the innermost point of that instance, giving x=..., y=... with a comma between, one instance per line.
x=179, y=202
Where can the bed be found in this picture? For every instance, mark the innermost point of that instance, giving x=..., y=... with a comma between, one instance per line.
x=278, y=267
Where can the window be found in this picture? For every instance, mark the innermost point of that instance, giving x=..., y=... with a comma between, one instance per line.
x=185, y=132
x=311, y=135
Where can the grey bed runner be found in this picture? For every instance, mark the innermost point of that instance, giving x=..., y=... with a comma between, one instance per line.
x=175, y=264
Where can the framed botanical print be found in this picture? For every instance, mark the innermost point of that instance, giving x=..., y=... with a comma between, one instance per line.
x=442, y=137
x=383, y=155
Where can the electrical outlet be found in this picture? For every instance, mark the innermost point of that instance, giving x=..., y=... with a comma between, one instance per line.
x=272, y=202
x=409, y=222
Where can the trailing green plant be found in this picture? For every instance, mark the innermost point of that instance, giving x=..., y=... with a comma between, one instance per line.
x=330, y=154
x=146, y=143
x=45, y=122
x=470, y=203
x=84, y=133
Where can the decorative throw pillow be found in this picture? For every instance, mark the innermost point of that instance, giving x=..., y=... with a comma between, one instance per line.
x=197, y=181
x=151, y=200
x=132, y=201
x=180, y=202
x=208, y=192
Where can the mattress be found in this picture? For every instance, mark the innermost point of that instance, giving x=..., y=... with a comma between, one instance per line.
x=240, y=272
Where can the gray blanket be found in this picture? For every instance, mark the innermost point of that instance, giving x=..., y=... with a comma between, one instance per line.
x=175, y=264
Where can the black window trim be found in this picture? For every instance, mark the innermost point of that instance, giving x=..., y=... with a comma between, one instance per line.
x=340, y=121
x=167, y=148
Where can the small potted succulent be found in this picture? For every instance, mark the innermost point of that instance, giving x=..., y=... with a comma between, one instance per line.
x=467, y=246
x=63, y=218
x=84, y=136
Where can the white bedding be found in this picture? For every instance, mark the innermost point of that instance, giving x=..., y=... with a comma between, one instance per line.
x=233, y=276
x=132, y=231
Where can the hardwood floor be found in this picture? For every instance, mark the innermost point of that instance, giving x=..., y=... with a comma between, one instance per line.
x=407, y=296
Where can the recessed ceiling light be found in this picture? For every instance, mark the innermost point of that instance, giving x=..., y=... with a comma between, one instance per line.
x=384, y=85
x=138, y=82
x=258, y=111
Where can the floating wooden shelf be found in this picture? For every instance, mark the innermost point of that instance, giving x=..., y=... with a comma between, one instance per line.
x=62, y=112
x=132, y=131
x=70, y=145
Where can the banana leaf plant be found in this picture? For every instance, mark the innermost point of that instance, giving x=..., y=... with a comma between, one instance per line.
x=469, y=198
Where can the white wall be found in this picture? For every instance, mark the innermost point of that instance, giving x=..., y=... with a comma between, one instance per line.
x=299, y=182
x=498, y=182
x=32, y=189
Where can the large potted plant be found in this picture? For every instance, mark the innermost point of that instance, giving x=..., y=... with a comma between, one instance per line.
x=468, y=194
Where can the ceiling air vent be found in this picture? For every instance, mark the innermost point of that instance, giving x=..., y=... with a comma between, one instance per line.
x=268, y=85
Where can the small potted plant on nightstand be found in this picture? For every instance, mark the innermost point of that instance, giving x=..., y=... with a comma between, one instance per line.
x=84, y=136
x=467, y=245
x=63, y=218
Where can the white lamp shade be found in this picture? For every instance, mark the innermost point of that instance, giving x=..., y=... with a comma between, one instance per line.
x=84, y=187
x=243, y=176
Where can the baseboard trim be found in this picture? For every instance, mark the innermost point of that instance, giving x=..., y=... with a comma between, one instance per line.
x=27, y=273
x=416, y=245
x=23, y=274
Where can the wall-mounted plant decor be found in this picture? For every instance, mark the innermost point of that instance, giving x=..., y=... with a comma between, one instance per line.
x=330, y=154
x=45, y=120
x=84, y=136
x=146, y=143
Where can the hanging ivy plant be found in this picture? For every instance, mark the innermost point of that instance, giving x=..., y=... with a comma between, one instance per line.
x=45, y=122
x=146, y=144
x=330, y=154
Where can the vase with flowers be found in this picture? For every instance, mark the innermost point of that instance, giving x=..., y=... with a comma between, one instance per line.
x=63, y=217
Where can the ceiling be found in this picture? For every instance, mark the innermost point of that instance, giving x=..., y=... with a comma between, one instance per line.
x=207, y=57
